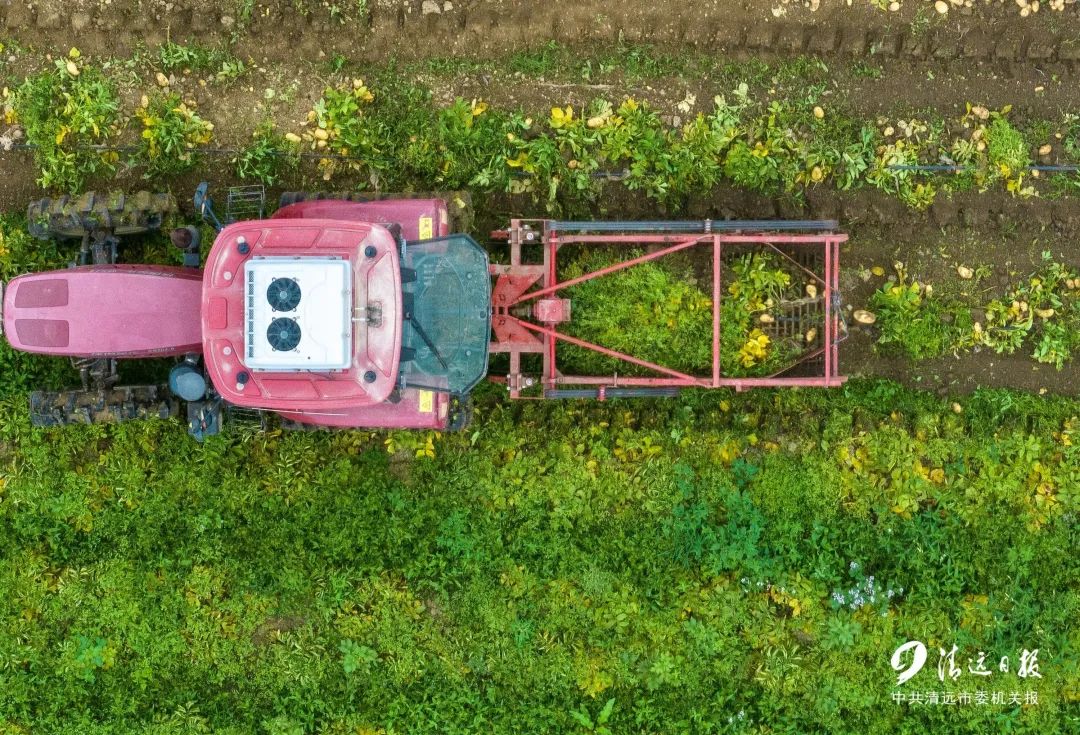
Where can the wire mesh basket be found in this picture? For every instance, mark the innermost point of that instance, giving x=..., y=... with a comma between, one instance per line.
x=245, y=202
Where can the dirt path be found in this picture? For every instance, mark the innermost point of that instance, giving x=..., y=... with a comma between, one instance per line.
x=407, y=29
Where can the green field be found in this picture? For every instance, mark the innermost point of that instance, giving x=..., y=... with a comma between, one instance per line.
x=721, y=563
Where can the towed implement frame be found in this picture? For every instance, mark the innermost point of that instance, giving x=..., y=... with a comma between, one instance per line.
x=530, y=308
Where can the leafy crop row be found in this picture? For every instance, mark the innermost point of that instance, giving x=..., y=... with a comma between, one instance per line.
x=72, y=118
x=396, y=137
x=1043, y=311
x=781, y=147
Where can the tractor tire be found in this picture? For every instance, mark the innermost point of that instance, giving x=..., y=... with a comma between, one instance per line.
x=115, y=212
x=458, y=203
x=61, y=408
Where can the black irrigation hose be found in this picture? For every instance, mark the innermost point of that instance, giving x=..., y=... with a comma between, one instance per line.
x=610, y=175
x=211, y=151
x=1064, y=167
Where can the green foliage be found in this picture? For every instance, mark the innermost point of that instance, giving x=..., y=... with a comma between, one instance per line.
x=1043, y=309
x=1006, y=147
x=194, y=57
x=654, y=311
x=902, y=182
x=912, y=322
x=543, y=571
x=266, y=158
x=171, y=134
x=357, y=657
x=597, y=725
x=401, y=139
x=757, y=288
x=1046, y=306
x=65, y=111
x=866, y=70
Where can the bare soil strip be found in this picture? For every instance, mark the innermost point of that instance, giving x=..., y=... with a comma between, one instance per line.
x=410, y=29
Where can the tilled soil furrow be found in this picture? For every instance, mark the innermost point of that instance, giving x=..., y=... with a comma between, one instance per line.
x=412, y=29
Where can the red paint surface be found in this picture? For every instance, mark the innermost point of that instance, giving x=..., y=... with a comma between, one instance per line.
x=376, y=347
x=405, y=414
x=105, y=311
x=405, y=212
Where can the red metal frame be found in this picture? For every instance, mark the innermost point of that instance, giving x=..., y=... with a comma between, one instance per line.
x=520, y=283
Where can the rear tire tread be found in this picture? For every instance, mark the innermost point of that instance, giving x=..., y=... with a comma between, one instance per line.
x=120, y=213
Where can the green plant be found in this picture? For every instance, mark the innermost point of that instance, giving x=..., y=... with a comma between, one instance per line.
x=654, y=311
x=1046, y=306
x=599, y=724
x=891, y=173
x=356, y=657
x=757, y=289
x=337, y=63
x=1043, y=308
x=266, y=158
x=67, y=111
x=767, y=159
x=1006, y=147
x=171, y=135
x=912, y=322
x=339, y=126
x=866, y=70
x=192, y=57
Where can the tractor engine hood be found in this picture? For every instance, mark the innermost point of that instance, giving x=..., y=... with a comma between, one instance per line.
x=446, y=314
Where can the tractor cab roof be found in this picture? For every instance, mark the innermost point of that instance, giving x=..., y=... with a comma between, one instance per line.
x=303, y=314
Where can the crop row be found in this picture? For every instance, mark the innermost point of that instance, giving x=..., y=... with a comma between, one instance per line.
x=73, y=120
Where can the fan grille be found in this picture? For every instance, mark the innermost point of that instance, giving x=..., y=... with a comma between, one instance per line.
x=283, y=294
x=283, y=334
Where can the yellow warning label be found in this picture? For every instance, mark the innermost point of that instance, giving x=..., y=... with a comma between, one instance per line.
x=427, y=399
x=426, y=229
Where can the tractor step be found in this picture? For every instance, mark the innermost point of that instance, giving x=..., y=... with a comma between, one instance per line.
x=251, y=417
x=245, y=202
x=60, y=408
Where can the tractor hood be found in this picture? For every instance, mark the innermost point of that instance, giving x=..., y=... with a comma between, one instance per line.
x=446, y=314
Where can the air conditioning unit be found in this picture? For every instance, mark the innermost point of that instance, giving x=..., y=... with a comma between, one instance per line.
x=297, y=314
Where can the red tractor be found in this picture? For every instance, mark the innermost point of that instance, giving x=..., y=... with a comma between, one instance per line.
x=337, y=312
